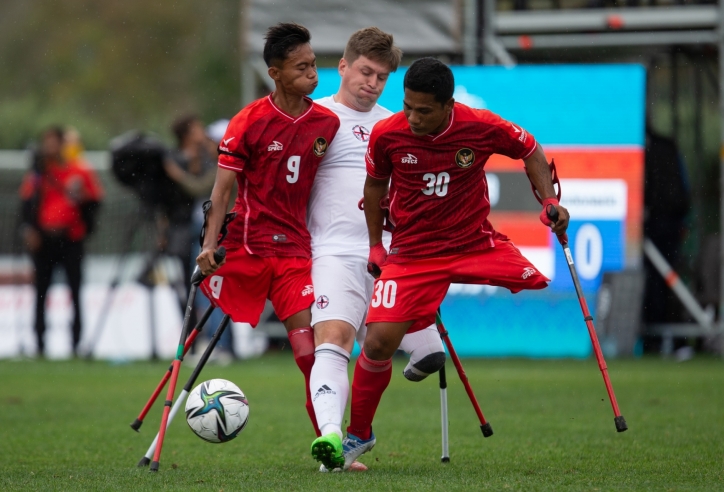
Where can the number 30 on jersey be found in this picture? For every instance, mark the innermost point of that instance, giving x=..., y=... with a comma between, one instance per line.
x=385, y=293
x=436, y=184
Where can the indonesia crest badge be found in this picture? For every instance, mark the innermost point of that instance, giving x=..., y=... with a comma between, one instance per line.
x=320, y=146
x=465, y=158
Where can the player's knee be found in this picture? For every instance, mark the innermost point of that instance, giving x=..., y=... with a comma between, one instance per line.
x=419, y=370
x=337, y=332
x=377, y=349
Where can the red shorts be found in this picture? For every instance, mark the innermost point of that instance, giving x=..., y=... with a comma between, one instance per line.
x=413, y=291
x=244, y=283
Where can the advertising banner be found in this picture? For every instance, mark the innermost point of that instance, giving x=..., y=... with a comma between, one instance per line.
x=590, y=119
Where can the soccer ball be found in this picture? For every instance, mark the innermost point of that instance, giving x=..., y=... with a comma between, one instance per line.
x=217, y=410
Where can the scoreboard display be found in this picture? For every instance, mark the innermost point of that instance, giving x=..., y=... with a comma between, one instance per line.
x=590, y=119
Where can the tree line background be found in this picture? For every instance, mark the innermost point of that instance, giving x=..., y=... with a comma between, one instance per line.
x=107, y=67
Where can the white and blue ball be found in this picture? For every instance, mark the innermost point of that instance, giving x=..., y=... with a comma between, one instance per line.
x=217, y=410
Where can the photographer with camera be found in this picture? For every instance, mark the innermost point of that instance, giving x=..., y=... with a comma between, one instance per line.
x=60, y=197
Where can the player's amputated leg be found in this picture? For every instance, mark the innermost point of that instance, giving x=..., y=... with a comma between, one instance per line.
x=330, y=384
x=427, y=354
x=302, y=342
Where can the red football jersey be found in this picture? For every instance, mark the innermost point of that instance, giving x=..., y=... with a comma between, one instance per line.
x=438, y=193
x=276, y=157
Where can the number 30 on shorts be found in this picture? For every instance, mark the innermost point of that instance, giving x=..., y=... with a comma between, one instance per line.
x=385, y=293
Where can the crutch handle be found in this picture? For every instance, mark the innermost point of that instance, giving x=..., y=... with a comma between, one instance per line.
x=219, y=256
x=552, y=213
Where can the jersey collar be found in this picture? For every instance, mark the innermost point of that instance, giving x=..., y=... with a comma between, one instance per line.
x=434, y=137
x=292, y=118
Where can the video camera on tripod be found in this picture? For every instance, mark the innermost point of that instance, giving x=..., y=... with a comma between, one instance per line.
x=137, y=161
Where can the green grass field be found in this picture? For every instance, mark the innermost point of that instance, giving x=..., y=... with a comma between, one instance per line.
x=65, y=427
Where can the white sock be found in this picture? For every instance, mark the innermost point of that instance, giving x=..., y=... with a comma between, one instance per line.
x=329, y=385
x=427, y=354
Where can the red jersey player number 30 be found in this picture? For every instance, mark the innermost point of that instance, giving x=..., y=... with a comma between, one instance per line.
x=443, y=175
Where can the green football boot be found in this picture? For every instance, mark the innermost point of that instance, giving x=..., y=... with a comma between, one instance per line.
x=327, y=449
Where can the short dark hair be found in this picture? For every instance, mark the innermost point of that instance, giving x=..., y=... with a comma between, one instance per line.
x=431, y=76
x=182, y=126
x=56, y=130
x=282, y=39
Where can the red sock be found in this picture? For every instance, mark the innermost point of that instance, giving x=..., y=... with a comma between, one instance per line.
x=302, y=342
x=371, y=378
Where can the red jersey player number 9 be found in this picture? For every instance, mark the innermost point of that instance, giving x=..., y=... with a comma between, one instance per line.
x=293, y=166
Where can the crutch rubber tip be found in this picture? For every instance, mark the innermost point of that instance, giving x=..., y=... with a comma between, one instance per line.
x=136, y=425
x=487, y=429
x=144, y=462
x=154, y=466
x=620, y=423
x=445, y=459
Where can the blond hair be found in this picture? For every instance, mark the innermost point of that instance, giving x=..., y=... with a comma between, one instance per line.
x=375, y=44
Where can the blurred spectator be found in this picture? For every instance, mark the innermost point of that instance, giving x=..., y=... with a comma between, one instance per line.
x=192, y=165
x=60, y=197
x=666, y=205
x=195, y=172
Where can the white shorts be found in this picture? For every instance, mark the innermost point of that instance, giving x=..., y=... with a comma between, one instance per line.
x=343, y=289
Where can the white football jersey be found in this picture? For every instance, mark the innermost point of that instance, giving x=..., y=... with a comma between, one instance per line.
x=336, y=223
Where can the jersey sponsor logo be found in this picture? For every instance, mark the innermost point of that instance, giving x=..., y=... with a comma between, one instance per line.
x=308, y=289
x=528, y=272
x=465, y=158
x=279, y=238
x=523, y=134
x=409, y=159
x=215, y=283
x=275, y=146
x=322, y=302
x=361, y=133
x=320, y=146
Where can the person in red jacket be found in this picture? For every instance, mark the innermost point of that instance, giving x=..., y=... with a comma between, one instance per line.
x=60, y=197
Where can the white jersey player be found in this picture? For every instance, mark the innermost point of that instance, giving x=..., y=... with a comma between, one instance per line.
x=340, y=242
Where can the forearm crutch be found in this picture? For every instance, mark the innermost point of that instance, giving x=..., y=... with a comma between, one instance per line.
x=618, y=419
x=485, y=426
x=552, y=214
x=189, y=341
x=187, y=387
x=196, y=279
x=443, y=415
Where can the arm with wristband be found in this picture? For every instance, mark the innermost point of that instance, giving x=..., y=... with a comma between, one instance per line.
x=374, y=191
x=539, y=173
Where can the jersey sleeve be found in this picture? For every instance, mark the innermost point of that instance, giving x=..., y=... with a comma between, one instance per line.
x=233, y=151
x=28, y=186
x=510, y=139
x=93, y=187
x=379, y=165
